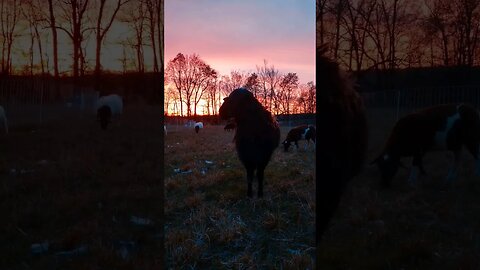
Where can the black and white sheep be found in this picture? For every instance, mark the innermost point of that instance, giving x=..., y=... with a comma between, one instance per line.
x=342, y=144
x=257, y=133
x=446, y=127
x=108, y=106
x=303, y=132
x=198, y=126
x=3, y=119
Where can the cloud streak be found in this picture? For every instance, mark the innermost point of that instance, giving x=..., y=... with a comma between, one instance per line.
x=238, y=35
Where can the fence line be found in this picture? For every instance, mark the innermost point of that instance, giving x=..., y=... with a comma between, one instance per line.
x=404, y=101
x=32, y=101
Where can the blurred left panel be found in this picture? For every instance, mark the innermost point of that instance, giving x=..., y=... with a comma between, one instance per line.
x=81, y=134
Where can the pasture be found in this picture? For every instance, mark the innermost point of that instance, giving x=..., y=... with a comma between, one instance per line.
x=94, y=196
x=210, y=221
x=433, y=226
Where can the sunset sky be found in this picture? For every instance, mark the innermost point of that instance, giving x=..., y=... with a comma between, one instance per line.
x=239, y=35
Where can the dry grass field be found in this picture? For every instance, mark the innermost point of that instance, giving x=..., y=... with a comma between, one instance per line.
x=430, y=227
x=210, y=221
x=79, y=188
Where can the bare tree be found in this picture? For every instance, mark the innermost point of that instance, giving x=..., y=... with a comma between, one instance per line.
x=204, y=78
x=152, y=25
x=9, y=16
x=253, y=84
x=269, y=78
x=53, y=27
x=159, y=9
x=135, y=16
x=191, y=76
x=30, y=12
x=102, y=30
x=287, y=86
x=74, y=12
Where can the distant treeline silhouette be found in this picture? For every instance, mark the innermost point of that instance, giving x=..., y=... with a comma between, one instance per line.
x=133, y=87
x=380, y=80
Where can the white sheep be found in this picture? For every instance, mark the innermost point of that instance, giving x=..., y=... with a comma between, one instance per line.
x=198, y=126
x=3, y=118
x=108, y=106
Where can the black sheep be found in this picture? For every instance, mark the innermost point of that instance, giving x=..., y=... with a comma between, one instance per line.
x=257, y=133
x=342, y=144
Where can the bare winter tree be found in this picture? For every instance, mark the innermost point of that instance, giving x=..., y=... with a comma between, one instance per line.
x=30, y=12
x=135, y=14
x=204, y=77
x=191, y=76
x=74, y=13
x=9, y=17
x=269, y=78
x=286, y=90
x=101, y=28
x=152, y=18
x=53, y=26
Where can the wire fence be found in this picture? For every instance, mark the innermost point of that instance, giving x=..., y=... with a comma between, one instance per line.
x=403, y=101
x=34, y=101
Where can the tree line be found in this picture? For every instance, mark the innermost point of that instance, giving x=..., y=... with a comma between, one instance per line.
x=391, y=34
x=44, y=23
x=190, y=81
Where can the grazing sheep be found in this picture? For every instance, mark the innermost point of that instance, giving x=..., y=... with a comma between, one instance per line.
x=303, y=132
x=230, y=126
x=342, y=144
x=3, y=119
x=446, y=127
x=108, y=106
x=198, y=126
x=257, y=134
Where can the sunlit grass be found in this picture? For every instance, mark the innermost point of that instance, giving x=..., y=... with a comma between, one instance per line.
x=210, y=222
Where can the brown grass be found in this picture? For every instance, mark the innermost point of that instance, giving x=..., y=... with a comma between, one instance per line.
x=428, y=227
x=80, y=186
x=221, y=227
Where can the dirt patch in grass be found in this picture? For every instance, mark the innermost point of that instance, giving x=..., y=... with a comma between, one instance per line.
x=75, y=186
x=210, y=222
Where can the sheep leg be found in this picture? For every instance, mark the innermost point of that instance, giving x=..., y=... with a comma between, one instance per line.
x=453, y=171
x=474, y=149
x=250, y=172
x=260, y=181
x=477, y=162
x=416, y=166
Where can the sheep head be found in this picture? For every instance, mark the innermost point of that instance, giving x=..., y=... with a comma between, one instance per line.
x=236, y=103
x=388, y=167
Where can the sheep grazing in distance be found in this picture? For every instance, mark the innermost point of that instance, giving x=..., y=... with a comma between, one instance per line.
x=230, y=126
x=446, y=127
x=303, y=132
x=257, y=133
x=198, y=126
x=342, y=144
x=108, y=106
x=3, y=119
